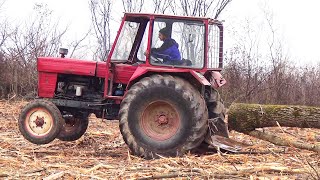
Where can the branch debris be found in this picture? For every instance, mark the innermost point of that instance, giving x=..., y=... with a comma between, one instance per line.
x=102, y=154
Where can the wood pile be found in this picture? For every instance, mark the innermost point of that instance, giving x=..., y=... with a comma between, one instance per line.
x=102, y=154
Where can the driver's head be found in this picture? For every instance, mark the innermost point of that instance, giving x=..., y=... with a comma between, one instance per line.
x=164, y=34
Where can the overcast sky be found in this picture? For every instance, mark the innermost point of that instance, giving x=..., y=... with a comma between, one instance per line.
x=296, y=21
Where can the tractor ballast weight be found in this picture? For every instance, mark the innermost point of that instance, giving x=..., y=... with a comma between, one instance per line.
x=163, y=109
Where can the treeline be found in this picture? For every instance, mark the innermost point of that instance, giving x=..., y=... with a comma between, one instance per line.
x=19, y=48
x=260, y=69
x=285, y=83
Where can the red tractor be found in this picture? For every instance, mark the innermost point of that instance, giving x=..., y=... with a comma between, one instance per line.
x=163, y=109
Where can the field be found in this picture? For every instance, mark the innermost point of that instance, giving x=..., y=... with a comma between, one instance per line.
x=102, y=154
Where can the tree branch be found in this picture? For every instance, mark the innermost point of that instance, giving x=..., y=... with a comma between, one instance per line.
x=283, y=142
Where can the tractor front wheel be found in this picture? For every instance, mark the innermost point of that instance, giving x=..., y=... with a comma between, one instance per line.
x=162, y=116
x=74, y=127
x=40, y=122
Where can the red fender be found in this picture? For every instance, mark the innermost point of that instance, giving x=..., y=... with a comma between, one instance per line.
x=216, y=78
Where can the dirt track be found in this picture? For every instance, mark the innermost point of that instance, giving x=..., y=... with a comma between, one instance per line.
x=102, y=154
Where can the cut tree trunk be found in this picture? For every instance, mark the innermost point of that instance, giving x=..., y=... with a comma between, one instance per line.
x=248, y=117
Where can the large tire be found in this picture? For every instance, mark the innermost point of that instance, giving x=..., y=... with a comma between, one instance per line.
x=162, y=115
x=74, y=127
x=217, y=125
x=40, y=122
x=217, y=114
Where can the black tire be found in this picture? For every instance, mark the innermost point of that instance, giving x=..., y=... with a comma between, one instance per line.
x=216, y=126
x=74, y=127
x=217, y=114
x=162, y=115
x=40, y=122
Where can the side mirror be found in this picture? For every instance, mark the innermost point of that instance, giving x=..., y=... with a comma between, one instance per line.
x=191, y=38
x=63, y=52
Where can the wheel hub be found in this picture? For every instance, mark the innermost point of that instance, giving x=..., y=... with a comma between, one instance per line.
x=39, y=121
x=160, y=120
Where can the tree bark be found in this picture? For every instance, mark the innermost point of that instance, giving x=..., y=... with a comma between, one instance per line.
x=247, y=117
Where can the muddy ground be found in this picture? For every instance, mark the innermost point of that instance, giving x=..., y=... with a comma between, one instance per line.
x=102, y=154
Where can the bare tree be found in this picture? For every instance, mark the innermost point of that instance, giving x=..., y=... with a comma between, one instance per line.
x=3, y=27
x=3, y=37
x=212, y=8
x=76, y=45
x=161, y=6
x=38, y=37
x=100, y=15
x=221, y=5
x=3, y=33
x=132, y=5
x=2, y=3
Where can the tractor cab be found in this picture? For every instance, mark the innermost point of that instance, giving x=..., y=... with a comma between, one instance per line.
x=189, y=42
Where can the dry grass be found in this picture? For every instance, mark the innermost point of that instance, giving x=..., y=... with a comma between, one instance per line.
x=102, y=154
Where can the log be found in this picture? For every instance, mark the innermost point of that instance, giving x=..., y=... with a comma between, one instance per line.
x=248, y=117
x=284, y=142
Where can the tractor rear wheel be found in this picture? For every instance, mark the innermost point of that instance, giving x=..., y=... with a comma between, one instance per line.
x=40, y=121
x=217, y=125
x=163, y=115
x=74, y=127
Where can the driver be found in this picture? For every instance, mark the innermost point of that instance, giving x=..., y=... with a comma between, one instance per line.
x=169, y=50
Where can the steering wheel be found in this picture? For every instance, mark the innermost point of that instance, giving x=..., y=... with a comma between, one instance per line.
x=155, y=60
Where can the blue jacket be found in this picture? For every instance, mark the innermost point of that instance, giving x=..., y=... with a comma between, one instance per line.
x=169, y=52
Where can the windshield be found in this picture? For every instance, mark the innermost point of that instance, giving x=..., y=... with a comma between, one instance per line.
x=125, y=41
x=178, y=43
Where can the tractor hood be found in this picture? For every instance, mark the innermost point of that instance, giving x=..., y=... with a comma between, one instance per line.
x=67, y=66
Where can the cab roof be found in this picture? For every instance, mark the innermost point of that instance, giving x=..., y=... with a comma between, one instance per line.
x=153, y=16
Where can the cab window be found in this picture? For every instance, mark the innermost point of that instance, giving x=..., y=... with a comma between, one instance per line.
x=177, y=43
